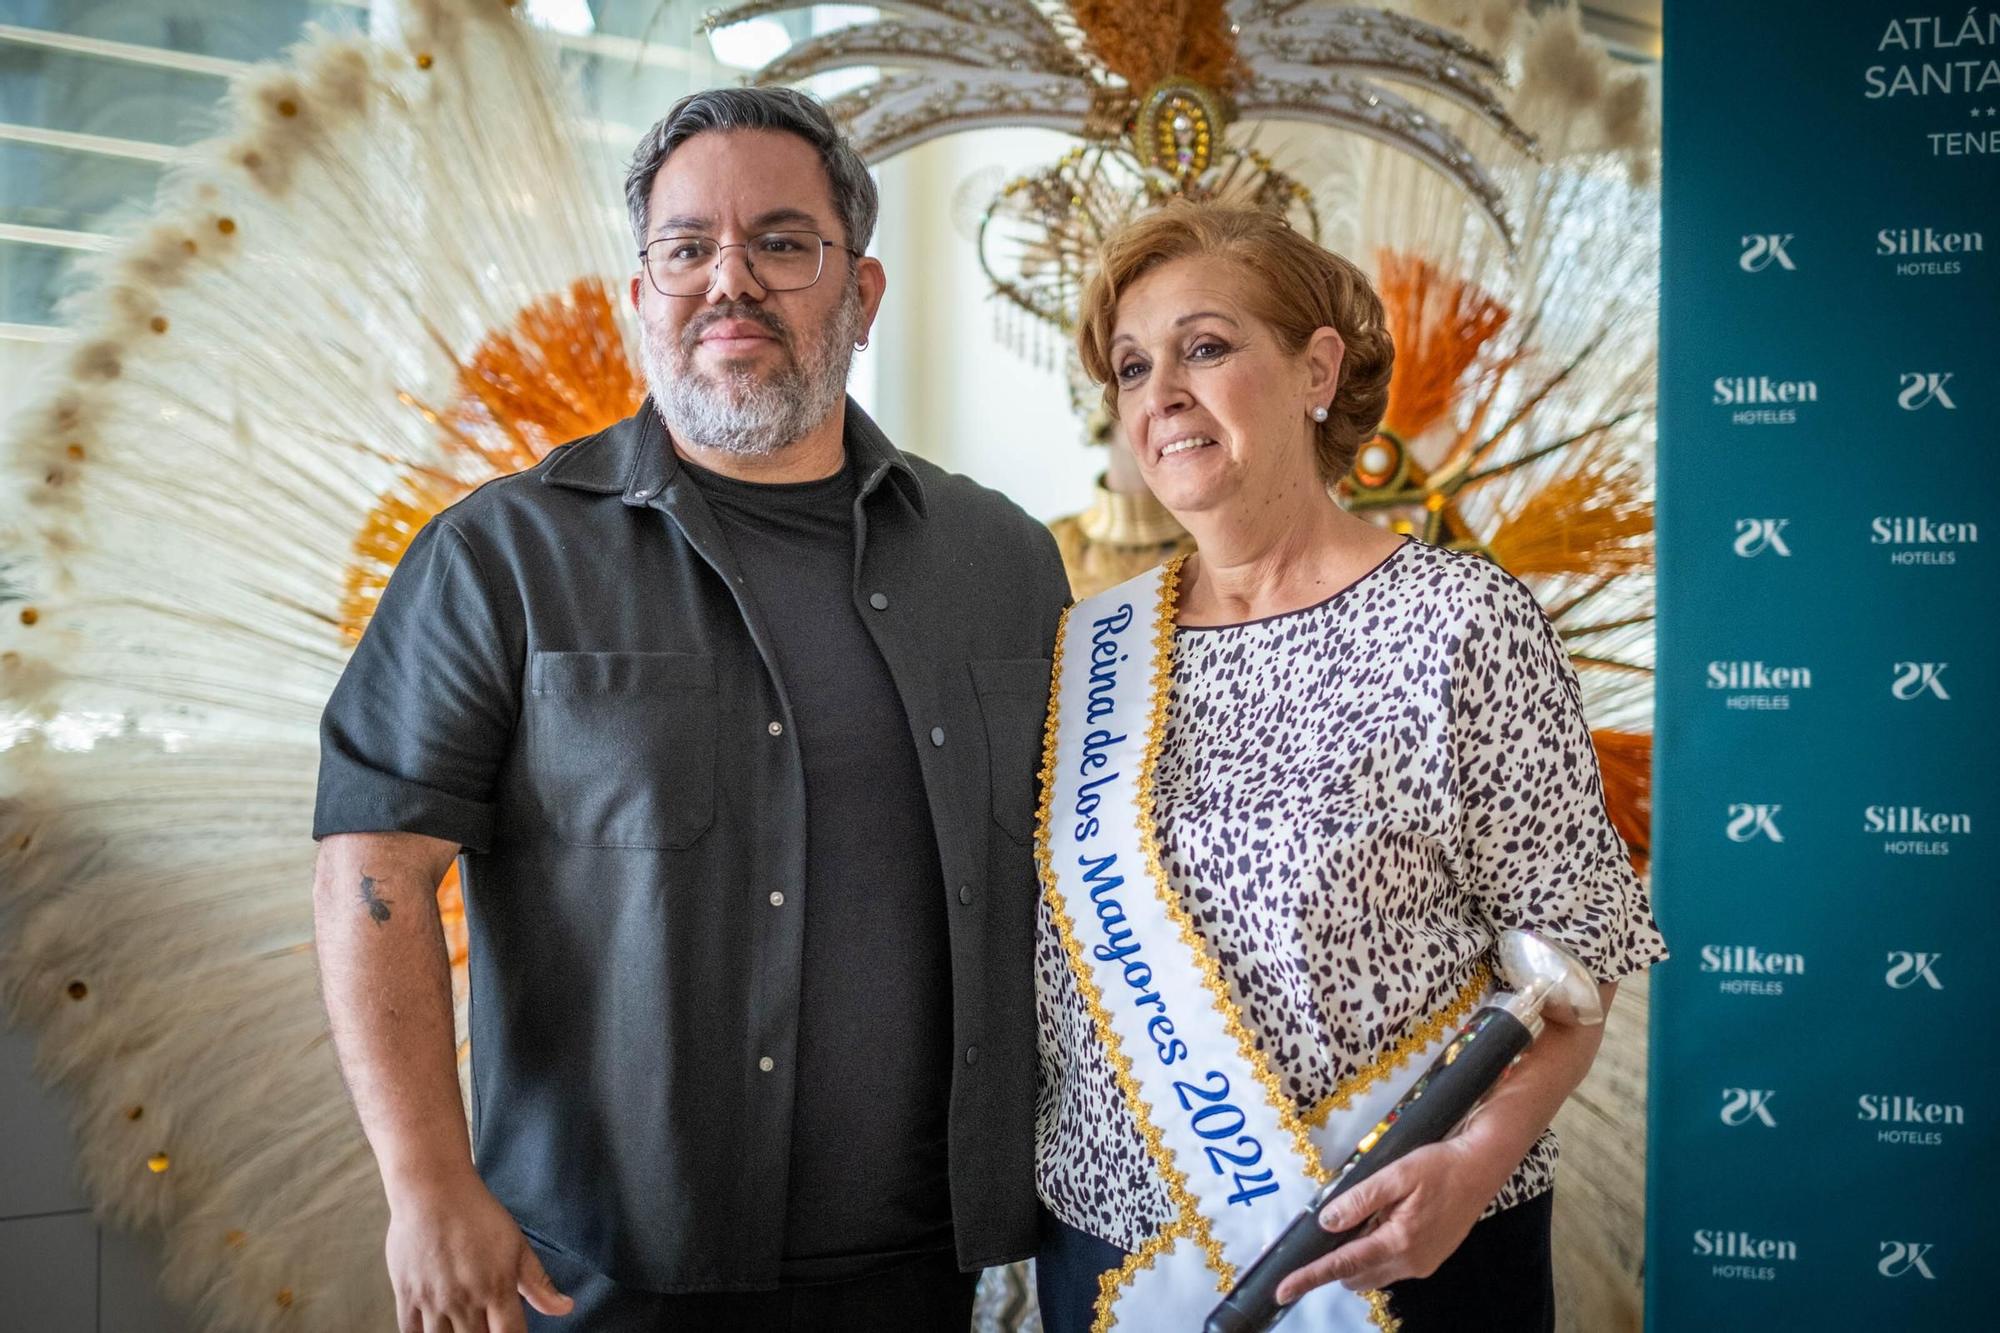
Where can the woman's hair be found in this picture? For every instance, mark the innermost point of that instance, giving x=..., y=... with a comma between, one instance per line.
x=1294, y=287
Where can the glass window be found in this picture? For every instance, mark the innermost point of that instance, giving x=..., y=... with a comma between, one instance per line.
x=69, y=190
x=85, y=94
x=628, y=59
x=237, y=30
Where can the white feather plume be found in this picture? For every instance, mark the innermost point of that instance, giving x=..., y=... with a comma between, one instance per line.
x=181, y=507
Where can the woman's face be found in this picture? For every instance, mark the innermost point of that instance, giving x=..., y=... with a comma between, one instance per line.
x=1213, y=408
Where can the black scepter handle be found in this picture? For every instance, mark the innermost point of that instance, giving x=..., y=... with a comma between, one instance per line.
x=1446, y=1093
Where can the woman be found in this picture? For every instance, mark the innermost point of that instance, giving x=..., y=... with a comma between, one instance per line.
x=1366, y=758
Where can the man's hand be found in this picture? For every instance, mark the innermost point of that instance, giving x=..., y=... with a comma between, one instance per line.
x=459, y=1263
x=1424, y=1206
x=457, y=1260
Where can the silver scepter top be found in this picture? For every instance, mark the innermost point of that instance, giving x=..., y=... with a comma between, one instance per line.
x=1546, y=982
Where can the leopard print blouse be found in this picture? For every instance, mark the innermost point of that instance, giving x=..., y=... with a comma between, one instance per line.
x=1353, y=800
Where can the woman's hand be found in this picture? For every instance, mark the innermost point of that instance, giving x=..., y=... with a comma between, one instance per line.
x=1423, y=1206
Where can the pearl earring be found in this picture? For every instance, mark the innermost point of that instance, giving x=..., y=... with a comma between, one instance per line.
x=1319, y=414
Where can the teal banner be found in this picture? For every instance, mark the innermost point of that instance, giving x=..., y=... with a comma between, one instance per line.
x=1827, y=812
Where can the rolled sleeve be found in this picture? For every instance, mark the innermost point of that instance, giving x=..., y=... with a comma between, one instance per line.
x=1539, y=849
x=415, y=733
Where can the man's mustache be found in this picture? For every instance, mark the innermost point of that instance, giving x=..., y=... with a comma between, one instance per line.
x=743, y=310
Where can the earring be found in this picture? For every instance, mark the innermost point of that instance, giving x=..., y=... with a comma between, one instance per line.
x=1319, y=414
x=861, y=346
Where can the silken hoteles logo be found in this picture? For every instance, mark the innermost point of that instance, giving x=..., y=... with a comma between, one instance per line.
x=1912, y=967
x=1757, y=685
x=1901, y=1258
x=1918, y=680
x=1745, y=969
x=1755, y=536
x=1746, y=1257
x=1743, y=1106
x=1918, y=539
x=1926, y=252
x=1748, y=823
x=1915, y=831
x=1906, y=1121
x=1759, y=400
x=1764, y=250
x=1919, y=389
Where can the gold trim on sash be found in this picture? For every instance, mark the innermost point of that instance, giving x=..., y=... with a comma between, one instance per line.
x=1395, y=1057
x=1188, y=1221
x=1211, y=974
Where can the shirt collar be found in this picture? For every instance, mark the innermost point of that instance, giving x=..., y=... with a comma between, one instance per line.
x=634, y=458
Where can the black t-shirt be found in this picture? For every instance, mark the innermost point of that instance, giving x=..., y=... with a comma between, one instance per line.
x=869, y=1182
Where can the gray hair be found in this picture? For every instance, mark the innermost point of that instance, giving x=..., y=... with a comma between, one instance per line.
x=785, y=109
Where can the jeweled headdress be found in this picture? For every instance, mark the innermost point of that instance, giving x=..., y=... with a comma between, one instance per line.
x=1154, y=92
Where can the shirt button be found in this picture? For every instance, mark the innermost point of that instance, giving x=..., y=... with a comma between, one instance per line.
x=879, y=600
x=777, y=900
x=643, y=493
x=767, y=1064
x=776, y=728
x=965, y=894
x=972, y=1055
x=937, y=736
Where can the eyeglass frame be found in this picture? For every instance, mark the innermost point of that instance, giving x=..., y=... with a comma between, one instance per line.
x=715, y=272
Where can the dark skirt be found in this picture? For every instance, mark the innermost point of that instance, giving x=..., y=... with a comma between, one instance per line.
x=1500, y=1280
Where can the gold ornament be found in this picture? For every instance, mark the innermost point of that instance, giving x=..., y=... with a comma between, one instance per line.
x=1175, y=130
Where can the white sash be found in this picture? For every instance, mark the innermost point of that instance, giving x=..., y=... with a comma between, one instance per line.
x=1237, y=1160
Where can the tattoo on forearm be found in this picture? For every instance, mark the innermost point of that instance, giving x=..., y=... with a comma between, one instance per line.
x=378, y=907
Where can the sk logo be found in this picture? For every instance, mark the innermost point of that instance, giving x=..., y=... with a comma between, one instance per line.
x=1741, y=1105
x=1914, y=678
x=1921, y=388
x=1750, y=821
x=1760, y=252
x=1906, y=969
x=1754, y=536
x=1901, y=1256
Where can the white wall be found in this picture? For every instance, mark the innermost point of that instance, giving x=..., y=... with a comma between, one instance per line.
x=60, y=1270
x=945, y=386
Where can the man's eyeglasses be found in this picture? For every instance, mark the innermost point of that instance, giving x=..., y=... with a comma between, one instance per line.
x=780, y=261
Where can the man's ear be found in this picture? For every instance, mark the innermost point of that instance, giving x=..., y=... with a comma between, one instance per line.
x=873, y=280
x=636, y=280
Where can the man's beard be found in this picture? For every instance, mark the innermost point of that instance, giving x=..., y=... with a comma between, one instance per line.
x=738, y=410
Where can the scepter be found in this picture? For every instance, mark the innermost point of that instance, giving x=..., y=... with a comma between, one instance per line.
x=1549, y=985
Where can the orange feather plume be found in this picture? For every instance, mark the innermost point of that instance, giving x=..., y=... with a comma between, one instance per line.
x=559, y=373
x=1440, y=324
x=1145, y=43
x=1591, y=519
x=1626, y=760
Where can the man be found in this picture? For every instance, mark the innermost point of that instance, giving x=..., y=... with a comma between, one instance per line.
x=732, y=713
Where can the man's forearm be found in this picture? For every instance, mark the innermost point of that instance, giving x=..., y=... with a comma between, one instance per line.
x=387, y=981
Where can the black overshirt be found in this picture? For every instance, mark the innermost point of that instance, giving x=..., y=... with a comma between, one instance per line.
x=868, y=1166
x=567, y=677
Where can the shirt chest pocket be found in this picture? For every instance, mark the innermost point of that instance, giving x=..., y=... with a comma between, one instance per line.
x=621, y=746
x=1014, y=703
